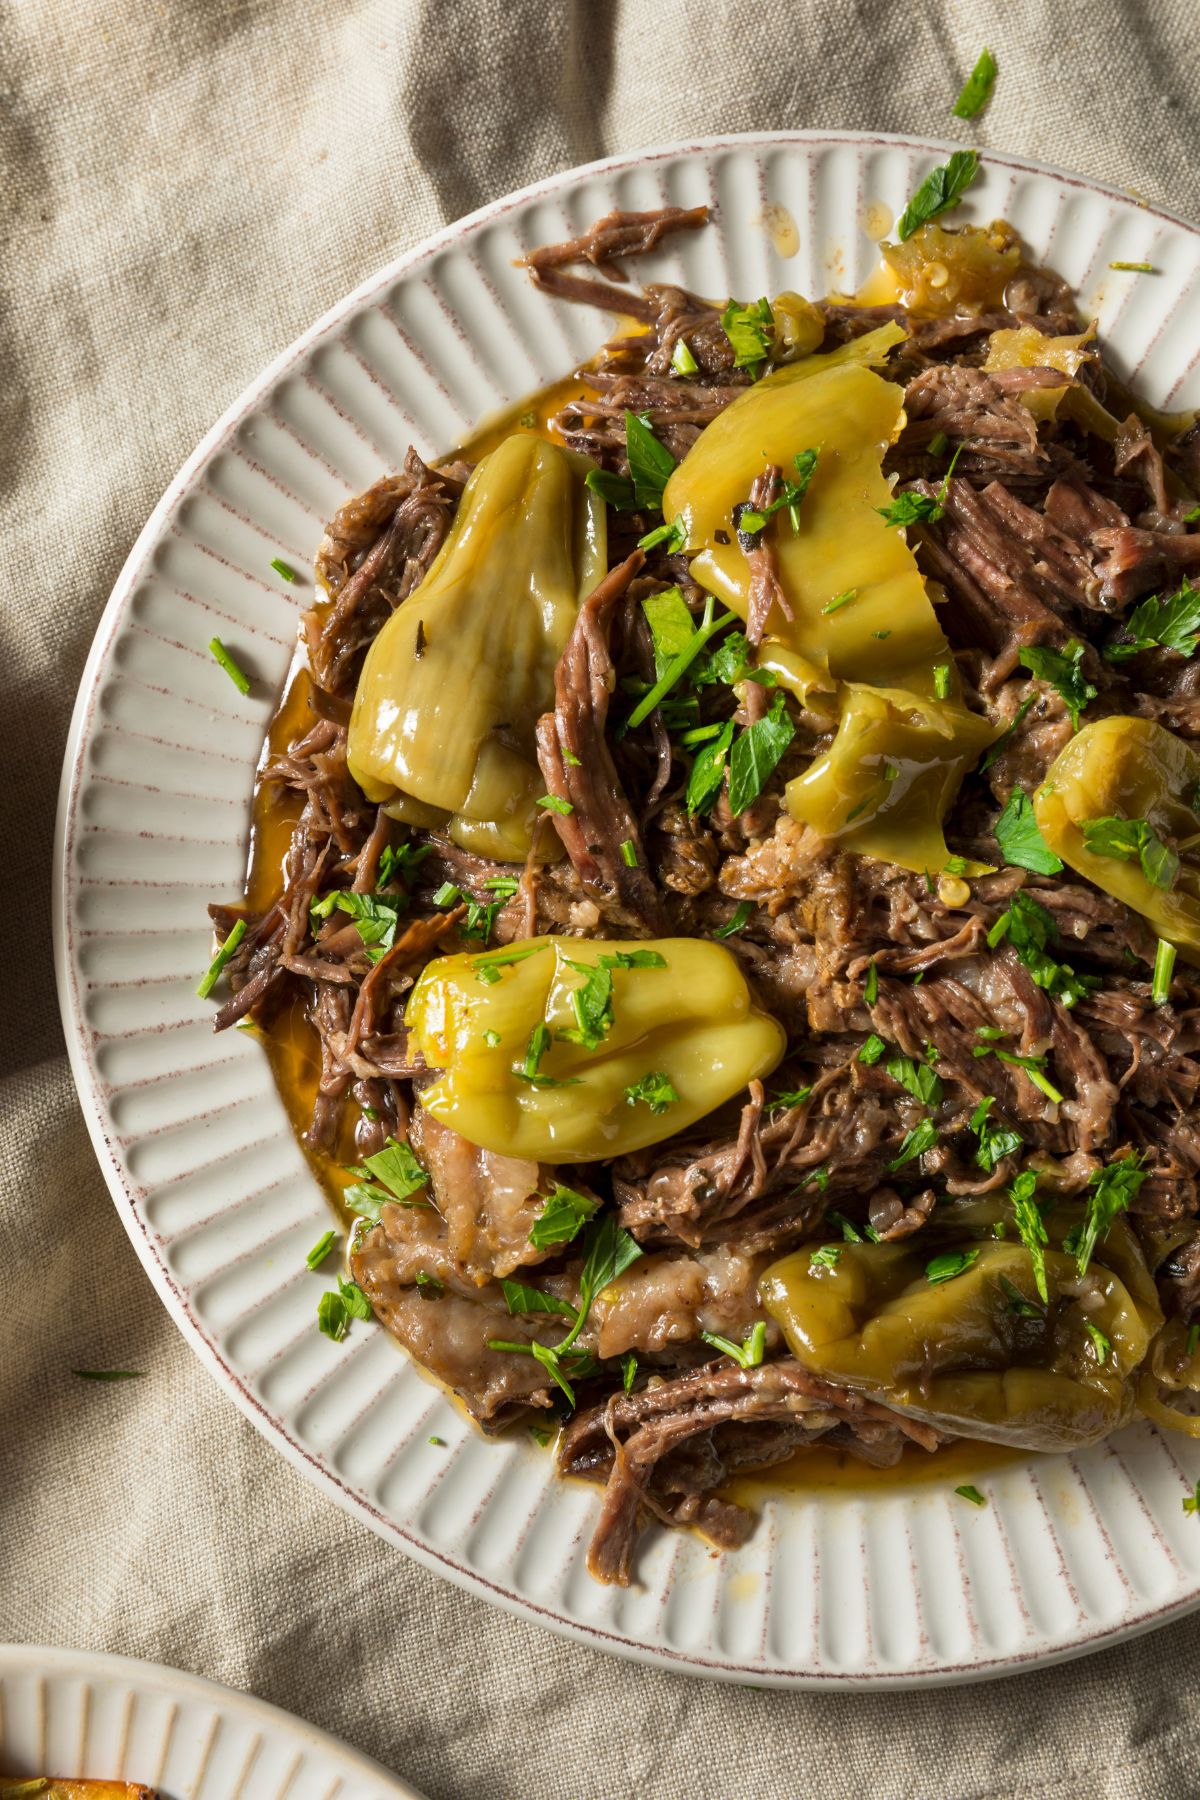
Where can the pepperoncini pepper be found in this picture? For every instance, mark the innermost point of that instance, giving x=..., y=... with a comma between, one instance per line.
x=442, y=731
x=1125, y=768
x=888, y=779
x=888, y=632
x=977, y=1353
x=577, y=1049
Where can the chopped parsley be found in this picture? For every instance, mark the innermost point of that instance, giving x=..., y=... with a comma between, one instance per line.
x=1134, y=268
x=941, y=189
x=751, y=519
x=911, y=508
x=1193, y=1338
x=1029, y=928
x=236, y=674
x=916, y=1142
x=1172, y=623
x=1110, y=1191
x=995, y=1141
x=917, y=1079
x=321, y=1249
x=654, y=1090
x=1031, y=1227
x=871, y=984
x=375, y=918
x=428, y=1286
x=562, y=1218
x=756, y=753
x=282, y=569
x=396, y=1166
x=872, y=1050
x=1020, y=839
x=850, y=1233
x=336, y=1308
x=615, y=490
x=1102, y=1344
x=403, y=860
x=1034, y=1067
x=748, y=1354
x=948, y=1265
x=529, y=1070
x=519, y=1298
x=790, y=1097
x=1164, y=968
x=840, y=600
x=1006, y=736
x=708, y=628
x=708, y=771
x=941, y=680
x=1063, y=670
x=749, y=330
x=743, y=912
x=1192, y=1503
x=209, y=979
x=967, y=1492
x=650, y=463
x=629, y=1365
x=629, y=854
x=1133, y=839
x=976, y=92
x=682, y=360
x=591, y=1002
x=826, y=1257
x=672, y=536
x=552, y=803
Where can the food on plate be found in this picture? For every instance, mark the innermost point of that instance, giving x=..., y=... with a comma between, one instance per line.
x=727, y=885
x=45, y=1787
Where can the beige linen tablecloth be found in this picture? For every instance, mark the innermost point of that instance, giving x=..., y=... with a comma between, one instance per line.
x=186, y=184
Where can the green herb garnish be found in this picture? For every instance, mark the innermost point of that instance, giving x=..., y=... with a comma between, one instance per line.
x=968, y=1492
x=915, y=1143
x=1029, y=928
x=756, y=753
x=336, y=1308
x=948, y=1265
x=872, y=1050
x=1062, y=670
x=520, y=1298
x=749, y=330
x=826, y=1257
x=1164, y=968
x=1111, y=1190
x=236, y=674
x=743, y=912
x=941, y=189
x=682, y=360
x=1130, y=840
x=747, y=1355
x=1102, y=1344
x=209, y=979
x=650, y=463
x=976, y=92
x=562, y=1218
x=1172, y=623
x=552, y=803
x=321, y=1249
x=282, y=569
x=995, y=1141
x=1020, y=839
x=654, y=1090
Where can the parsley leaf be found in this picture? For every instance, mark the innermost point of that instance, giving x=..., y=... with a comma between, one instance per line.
x=655, y=1090
x=923, y=1137
x=1172, y=623
x=321, y=1249
x=208, y=980
x=941, y=189
x=917, y=1079
x=396, y=1166
x=682, y=360
x=519, y=1298
x=1020, y=839
x=1111, y=1190
x=1029, y=928
x=873, y=1048
x=672, y=536
x=591, y=1002
x=969, y=1492
x=708, y=771
x=1062, y=669
x=375, y=919
x=750, y=520
x=1031, y=1226
x=562, y=1218
x=749, y=330
x=743, y=912
x=977, y=89
x=671, y=625
x=1006, y=736
x=756, y=753
x=747, y=1355
x=236, y=674
x=336, y=1308
x=995, y=1141
x=615, y=490
x=650, y=463
x=530, y=1069
x=1103, y=1345
x=948, y=1265
x=403, y=860
x=1130, y=839
x=826, y=1257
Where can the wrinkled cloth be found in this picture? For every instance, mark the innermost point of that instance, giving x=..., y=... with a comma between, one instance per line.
x=186, y=185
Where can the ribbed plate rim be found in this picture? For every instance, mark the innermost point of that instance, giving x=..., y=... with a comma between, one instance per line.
x=131, y=1677
x=88, y=1088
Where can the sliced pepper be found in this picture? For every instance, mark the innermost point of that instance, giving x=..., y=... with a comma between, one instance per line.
x=888, y=634
x=1130, y=768
x=442, y=732
x=943, y=270
x=521, y=1075
x=977, y=1354
x=888, y=779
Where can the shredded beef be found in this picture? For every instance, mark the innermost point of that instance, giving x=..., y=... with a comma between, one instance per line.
x=1041, y=534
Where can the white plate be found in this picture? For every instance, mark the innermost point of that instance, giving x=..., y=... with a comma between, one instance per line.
x=214, y=1191
x=108, y=1718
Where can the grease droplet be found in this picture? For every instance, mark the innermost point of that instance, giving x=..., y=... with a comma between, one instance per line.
x=780, y=227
